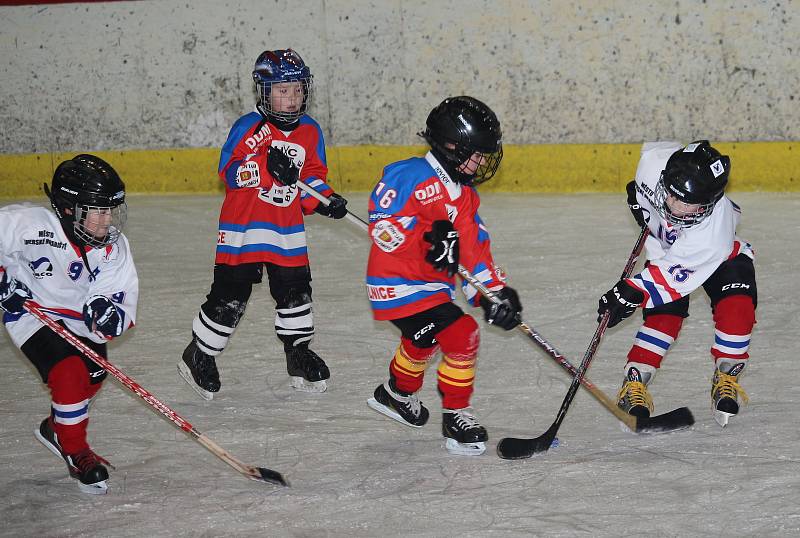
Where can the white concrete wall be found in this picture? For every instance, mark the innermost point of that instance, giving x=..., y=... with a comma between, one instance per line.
x=161, y=74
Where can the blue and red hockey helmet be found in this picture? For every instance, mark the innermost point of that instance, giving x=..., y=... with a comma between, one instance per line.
x=279, y=66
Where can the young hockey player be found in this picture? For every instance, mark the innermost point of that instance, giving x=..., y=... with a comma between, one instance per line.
x=423, y=222
x=261, y=225
x=679, y=195
x=77, y=266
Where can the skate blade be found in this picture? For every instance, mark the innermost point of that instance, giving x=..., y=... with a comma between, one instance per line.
x=304, y=385
x=464, y=449
x=722, y=417
x=186, y=374
x=389, y=412
x=98, y=488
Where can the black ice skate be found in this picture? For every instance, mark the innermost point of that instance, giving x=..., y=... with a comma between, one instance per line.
x=633, y=397
x=306, y=369
x=404, y=408
x=463, y=434
x=726, y=393
x=86, y=466
x=200, y=371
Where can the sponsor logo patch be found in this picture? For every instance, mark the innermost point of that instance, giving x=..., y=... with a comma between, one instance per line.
x=429, y=193
x=41, y=268
x=248, y=175
x=386, y=236
x=259, y=137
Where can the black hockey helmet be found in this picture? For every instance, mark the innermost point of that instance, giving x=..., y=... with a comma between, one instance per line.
x=84, y=184
x=277, y=66
x=457, y=129
x=694, y=175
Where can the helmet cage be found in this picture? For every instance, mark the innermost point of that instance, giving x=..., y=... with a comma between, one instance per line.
x=276, y=67
x=489, y=162
x=696, y=176
x=88, y=197
x=685, y=220
x=87, y=217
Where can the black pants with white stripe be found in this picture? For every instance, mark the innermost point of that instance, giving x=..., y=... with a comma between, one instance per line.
x=226, y=303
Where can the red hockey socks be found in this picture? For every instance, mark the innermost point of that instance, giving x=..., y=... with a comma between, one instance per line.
x=459, y=343
x=70, y=392
x=734, y=317
x=408, y=365
x=655, y=338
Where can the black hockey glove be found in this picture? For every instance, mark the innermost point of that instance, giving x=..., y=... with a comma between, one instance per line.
x=505, y=315
x=13, y=294
x=443, y=252
x=620, y=301
x=100, y=314
x=337, y=209
x=633, y=205
x=282, y=167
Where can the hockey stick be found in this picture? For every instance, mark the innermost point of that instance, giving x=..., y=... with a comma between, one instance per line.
x=327, y=201
x=673, y=420
x=512, y=448
x=254, y=473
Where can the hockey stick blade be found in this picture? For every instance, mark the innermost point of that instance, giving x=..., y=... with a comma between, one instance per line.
x=267, y=475
x=510, y=448
x=677, y=419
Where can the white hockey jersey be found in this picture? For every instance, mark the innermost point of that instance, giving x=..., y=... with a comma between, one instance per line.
x=681, y=260
x=35, y=250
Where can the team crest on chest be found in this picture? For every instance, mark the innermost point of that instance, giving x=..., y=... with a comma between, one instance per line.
x=386, y=236
x=278, y=195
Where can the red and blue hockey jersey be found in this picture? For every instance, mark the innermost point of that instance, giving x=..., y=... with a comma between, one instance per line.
x=402, y=207
x=261, y=219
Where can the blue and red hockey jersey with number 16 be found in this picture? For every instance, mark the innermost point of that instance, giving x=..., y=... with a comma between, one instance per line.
x=261, y=219
x=410, y=196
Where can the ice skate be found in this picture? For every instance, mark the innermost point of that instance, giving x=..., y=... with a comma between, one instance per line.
x=633, y=397
x=404, y=408
x=464, y=436
x=306, y=369
x=200, y=371
x=86, y=466
x=726, y=393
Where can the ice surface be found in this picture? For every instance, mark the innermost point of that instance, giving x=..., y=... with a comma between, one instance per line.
x=357, y=473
